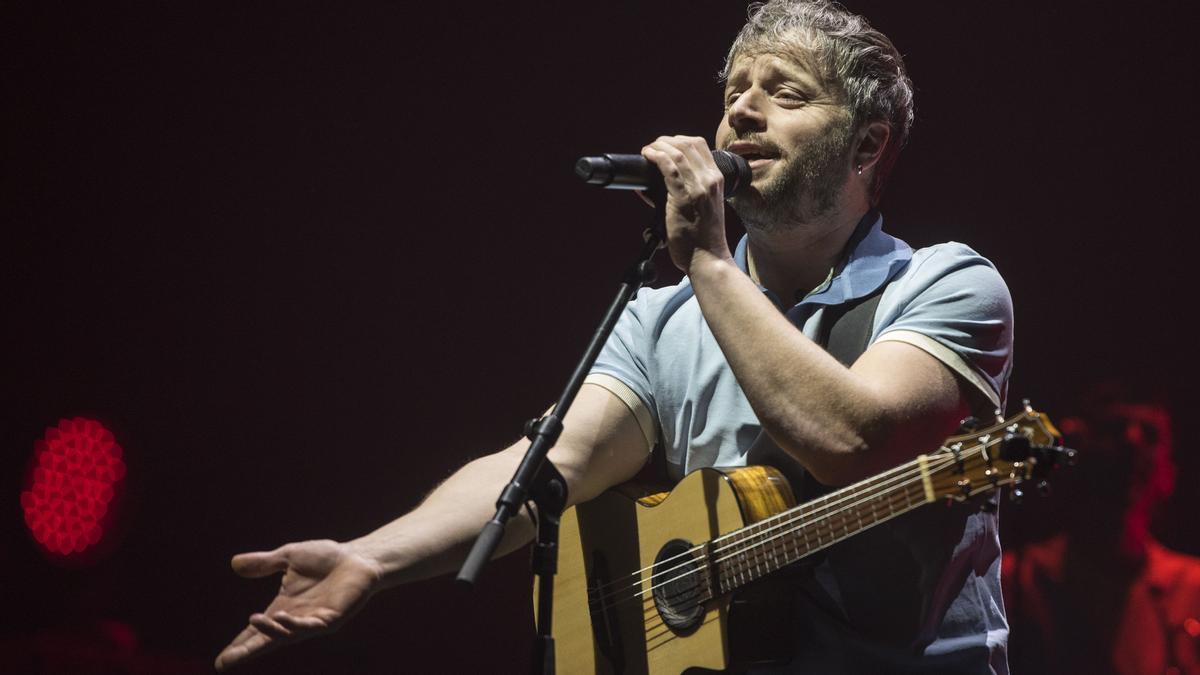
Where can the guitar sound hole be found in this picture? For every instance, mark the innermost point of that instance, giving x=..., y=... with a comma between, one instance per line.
x=678, y=583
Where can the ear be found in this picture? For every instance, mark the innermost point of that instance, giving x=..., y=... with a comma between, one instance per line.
x=873, y=137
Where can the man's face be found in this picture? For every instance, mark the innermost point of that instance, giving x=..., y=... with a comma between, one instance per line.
x=795, y=132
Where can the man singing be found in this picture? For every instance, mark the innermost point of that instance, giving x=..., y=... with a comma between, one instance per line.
x=732, y=362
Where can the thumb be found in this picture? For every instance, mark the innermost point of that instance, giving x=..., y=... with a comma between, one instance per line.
x=260, y=563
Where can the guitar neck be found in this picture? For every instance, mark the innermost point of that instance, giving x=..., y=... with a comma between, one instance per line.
x=754, y=551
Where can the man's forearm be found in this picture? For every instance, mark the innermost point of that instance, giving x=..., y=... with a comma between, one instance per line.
x=601, y=445
x=434, y=538
x=836, y=423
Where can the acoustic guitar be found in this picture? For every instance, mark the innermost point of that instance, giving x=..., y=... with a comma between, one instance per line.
x=646, y=583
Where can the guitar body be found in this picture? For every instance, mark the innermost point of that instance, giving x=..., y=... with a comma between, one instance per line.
x=608, y=547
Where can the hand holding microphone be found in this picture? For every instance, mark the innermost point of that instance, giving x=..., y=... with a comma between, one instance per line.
x=692, y=212
x=634, y=172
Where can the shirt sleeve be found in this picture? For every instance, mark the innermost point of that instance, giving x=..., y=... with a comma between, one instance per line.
x=954, y=305
x=623, y=365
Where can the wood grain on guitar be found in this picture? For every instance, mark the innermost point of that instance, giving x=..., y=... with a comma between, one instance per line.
x=646, y=582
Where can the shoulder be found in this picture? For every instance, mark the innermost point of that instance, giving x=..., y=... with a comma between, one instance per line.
x=947, y=283
x=653, y=307
x=952, y=303
x=952, y=265
x=656, y=299
x=951, y=281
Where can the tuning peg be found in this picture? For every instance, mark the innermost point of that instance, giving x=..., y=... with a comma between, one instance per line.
x=969, y=424
x=964, y=486
x=999, y=415
x=1043, y=488
x=1016, y=495
x=1070, y=454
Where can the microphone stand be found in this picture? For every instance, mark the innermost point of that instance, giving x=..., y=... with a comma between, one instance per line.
x=536, y=478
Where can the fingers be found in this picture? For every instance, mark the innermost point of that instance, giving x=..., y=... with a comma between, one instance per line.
x=270, y=627
x=686, y=164
x=266, y=632
x=299, y=625
x=260, y=563
x=670, y=160
x=249, y=643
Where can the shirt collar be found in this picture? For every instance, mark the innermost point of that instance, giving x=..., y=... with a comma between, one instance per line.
x=873, y=258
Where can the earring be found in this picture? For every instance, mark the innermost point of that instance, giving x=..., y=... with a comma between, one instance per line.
x=860, y=169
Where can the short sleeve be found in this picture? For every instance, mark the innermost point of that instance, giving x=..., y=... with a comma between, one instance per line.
x=953, y=303
x=625, y=357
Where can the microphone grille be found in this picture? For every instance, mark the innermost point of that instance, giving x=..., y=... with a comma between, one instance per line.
x=736, y=170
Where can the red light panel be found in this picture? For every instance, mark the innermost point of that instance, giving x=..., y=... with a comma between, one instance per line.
x=77, y=467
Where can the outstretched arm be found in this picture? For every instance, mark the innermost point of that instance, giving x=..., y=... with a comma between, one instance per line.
x=326, y=582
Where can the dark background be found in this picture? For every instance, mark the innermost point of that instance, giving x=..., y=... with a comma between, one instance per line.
x=304, y=259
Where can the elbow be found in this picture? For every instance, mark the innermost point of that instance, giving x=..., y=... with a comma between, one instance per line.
x=832, y=458
x=838, y=452
x=857, y=456
x=840, y=466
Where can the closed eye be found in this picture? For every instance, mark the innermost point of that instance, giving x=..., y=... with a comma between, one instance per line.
x=791, y=95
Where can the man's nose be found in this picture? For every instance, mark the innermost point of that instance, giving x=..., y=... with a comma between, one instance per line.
x=745, y=114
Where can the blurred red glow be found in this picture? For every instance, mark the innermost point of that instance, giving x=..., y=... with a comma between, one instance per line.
x=77, y=467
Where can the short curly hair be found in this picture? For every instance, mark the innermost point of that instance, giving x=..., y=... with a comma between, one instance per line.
x=858, y=59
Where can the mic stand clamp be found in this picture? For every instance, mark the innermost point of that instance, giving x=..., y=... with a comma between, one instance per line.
x=536, y=478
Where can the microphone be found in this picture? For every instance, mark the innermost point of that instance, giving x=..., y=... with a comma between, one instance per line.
x=634, y=172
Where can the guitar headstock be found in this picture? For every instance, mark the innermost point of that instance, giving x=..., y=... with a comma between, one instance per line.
x=1022, y=448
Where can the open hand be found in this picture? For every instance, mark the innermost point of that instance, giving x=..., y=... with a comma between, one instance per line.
x=324, y=583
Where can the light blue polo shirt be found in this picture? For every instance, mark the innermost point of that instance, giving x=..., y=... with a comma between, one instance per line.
x=945, y=299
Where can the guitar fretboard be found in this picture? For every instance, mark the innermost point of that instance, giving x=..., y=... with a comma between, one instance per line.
x=754, y=551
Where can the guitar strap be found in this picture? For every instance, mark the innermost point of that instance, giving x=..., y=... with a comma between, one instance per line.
x=849, y=330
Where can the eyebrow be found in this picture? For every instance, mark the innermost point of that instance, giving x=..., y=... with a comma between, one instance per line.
x=780, y=68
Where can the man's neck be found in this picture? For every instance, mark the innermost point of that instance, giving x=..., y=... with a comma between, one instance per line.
x=792, y=262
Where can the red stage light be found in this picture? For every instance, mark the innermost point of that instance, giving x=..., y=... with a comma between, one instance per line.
x=77, y=467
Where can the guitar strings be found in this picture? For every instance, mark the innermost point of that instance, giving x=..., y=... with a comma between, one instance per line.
x=654, y=625
x=652, y=619
x=759, y=542
x=817, y=513
x=846, y=493
x=813, y=516
x=649, y=611
x=787, y=518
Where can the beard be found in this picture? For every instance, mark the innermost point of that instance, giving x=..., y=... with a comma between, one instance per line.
x=805, y=188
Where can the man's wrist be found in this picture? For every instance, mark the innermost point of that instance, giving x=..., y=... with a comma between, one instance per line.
x=707, y=266
x=364, y=553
